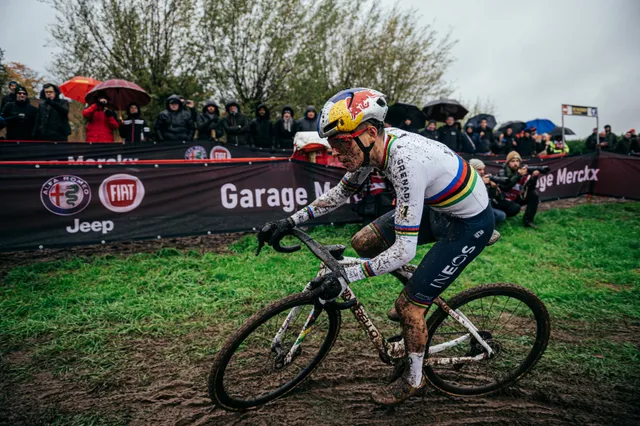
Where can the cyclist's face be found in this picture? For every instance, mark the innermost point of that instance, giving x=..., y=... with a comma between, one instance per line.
x=345, y=148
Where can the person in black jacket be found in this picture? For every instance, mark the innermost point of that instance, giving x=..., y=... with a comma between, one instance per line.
x=430, y=132
x=450, y=135
x=20, y=116
x=11, y=96
x=134, y=129
x=309, y=123
x=518, y=190
x=261, y=129
x=525, y=146
x=52, y=119
x=286, y=129
x=175, y=123
x=485, y=136
x=209, y=122
x=236, y=125
x=592, y=141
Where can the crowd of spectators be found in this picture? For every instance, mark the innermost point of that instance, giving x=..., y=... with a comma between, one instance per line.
x=180, y=121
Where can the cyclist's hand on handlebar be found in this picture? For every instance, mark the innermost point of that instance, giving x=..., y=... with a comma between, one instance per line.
x=334, y=285
x=272, y=232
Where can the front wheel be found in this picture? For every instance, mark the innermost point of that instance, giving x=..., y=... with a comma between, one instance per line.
x=252, y=368
x=512, y=320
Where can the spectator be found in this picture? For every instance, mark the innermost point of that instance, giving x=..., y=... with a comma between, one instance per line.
x=450, y=136
x=592, y=141
x=134, y=129
x=209, y=122
x=485, y=135
x=101, y=121
x=285, y=129
x=557, y=146
x=519, y=189
x=492, y=189
x=261, y=128
x=309, y=123
x=483, y=146
x=534, y=132
x=525, y=146
x=11, y=96
x=499, y=146
x=410, y=126
x=20, y=116
x=622, y=147
x=542, y=144
x=469, y=140
x=174, y=123
x=610, y=139
x=235, y=124
x=430, y=132
x=52, y=119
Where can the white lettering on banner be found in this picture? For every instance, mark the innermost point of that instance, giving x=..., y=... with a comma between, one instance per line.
x=104, y=226
x=118, y=159
x=566, y=177
x=286, y=198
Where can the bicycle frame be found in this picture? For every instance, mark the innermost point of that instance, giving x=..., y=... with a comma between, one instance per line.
x=389, y=351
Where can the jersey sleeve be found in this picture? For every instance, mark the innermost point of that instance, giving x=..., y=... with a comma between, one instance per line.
x=410, y=181
x=333, y=198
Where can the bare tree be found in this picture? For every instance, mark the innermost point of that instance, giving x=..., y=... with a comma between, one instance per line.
x=149, y=42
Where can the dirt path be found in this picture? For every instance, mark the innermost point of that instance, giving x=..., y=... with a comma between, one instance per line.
x=154, y=391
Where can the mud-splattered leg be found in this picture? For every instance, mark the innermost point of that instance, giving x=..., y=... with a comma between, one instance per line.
x=414, y=331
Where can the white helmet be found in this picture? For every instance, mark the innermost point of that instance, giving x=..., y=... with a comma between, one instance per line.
x=349, y=108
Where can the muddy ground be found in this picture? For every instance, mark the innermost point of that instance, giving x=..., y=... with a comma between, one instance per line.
x=154, y=390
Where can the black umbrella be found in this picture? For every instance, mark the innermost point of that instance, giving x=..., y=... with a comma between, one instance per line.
x=475, y=121
x=517, y=126
x=557, y=131
x=439, y=110
x=399, y=112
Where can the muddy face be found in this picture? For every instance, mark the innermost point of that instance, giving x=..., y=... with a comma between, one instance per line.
x=348, y=152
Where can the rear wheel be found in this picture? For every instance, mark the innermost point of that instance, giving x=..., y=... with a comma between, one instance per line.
x=251, y=370
x=511, y=319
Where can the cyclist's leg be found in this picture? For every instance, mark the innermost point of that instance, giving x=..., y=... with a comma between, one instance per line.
x=380, y=234
x=459, y=242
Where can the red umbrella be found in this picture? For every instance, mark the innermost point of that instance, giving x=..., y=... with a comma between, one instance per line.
x=120, y=93
x=78, y=87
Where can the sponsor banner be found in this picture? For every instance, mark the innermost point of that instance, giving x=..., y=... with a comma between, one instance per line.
x=70, y=205
x=82, y=152
x=568, y=176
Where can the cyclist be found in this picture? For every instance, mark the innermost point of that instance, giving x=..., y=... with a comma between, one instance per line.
x=440, y=198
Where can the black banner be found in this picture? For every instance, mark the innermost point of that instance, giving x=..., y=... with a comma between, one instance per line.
x=115, y=152
x=70, y=205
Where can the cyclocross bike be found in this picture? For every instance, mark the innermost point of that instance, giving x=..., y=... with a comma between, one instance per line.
x=480, y=341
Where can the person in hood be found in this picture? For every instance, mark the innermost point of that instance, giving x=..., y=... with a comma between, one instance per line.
x=209, y=122
x=20, y=116
x=430, y=132
x=134, y=129
x=525, y=146
x=52, y=119
x=11, y=96
x=450, y=135
x=286, y=129
x=175, y=123
x=101, y=120
x=235, y=124
x=309, y=123
x=261, y=129
x=469, y=140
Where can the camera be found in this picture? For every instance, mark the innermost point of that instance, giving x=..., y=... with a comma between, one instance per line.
x=498, y=179
x=542, y=169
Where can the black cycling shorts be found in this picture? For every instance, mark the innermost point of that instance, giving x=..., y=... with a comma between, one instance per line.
x=457, y=242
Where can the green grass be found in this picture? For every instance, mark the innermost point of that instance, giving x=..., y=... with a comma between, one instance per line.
x=78, y=315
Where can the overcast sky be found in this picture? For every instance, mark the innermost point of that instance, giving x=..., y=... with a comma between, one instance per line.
x=526, y=57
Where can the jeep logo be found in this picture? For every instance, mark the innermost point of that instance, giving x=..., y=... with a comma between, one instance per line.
x=104, y=226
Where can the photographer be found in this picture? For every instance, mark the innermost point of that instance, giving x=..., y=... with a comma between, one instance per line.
x=101, y=121
x=492, y=189
x=519, y=188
